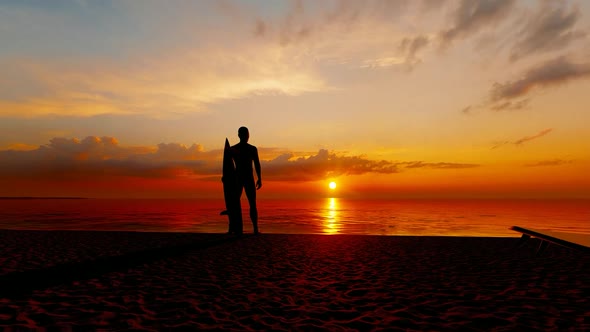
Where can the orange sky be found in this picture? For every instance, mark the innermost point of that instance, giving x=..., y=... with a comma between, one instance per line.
x=387, y=98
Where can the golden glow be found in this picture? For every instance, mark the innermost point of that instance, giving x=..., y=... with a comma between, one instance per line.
x=332, y=185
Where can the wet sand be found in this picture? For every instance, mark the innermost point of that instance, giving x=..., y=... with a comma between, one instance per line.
x=158, y=281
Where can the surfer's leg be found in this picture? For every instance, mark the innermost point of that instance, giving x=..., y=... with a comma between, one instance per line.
x=251, y=195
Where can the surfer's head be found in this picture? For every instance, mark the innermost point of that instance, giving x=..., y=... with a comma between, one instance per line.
x=243, y=134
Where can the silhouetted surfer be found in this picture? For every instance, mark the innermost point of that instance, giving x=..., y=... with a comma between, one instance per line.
x=244, y=155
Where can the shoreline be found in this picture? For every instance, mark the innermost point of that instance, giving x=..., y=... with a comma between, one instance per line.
x=294, y=282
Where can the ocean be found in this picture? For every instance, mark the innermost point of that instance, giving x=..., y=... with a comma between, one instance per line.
x=319, y=216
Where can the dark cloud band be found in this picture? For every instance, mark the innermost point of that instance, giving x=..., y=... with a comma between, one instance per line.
x=103, y=157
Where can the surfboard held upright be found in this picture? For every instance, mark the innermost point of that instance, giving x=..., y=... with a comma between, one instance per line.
x=231, y=192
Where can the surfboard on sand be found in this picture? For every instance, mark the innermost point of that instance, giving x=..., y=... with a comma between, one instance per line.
x=231, y=192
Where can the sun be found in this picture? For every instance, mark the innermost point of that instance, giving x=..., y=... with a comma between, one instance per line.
x=332, y=185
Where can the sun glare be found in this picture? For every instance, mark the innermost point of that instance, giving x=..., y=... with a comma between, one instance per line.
x=332, y=185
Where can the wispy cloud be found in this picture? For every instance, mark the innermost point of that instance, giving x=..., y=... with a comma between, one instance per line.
x=411, y=46
x=406, y=54
x=190, y=64
x=525, y=139
x=551, y=162
x=382, y=62
x=467, y=110
x=508, y=95
x=530, y=138
x=440, y=165
x=366, y=34
x=187, y=64
x=551, y=26
x=472, y=16
x=511, y=105
x=305, y=20
x=178, y=83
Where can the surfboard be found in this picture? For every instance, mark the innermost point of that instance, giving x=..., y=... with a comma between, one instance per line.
x=231, y=192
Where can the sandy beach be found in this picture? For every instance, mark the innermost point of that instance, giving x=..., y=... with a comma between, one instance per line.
x=67, y=280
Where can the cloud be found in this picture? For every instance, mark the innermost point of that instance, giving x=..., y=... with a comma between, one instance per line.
x=175, y=83
x=521, y=141
x=530, y=138
x=323, y=165
x=552, y=162
x=71, y=159
x=175, y=151
x=410, y=46
x=472, y=16
x=440, y=165
x=305, y=20
x=550, y=27
x=382, y=62
x=405, y=54
x=327, y=164
x=366, y=34
x=151, y=58
x=548, y=74
x=188, y=64
x=99, y=157
x=511, y=105
x=21, y=147
x=467, y=110
x=192, y=63
x=172, y=62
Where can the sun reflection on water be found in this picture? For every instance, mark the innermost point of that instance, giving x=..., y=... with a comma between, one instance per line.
x=331, y=222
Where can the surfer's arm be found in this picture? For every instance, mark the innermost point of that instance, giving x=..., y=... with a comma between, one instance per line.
x=257, y=168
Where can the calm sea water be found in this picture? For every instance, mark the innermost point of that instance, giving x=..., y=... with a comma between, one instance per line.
x=323, y=216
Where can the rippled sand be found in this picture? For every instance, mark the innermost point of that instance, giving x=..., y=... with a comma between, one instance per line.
x=295, y=282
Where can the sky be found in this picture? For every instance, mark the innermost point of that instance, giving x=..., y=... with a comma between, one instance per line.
x=389, y=99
